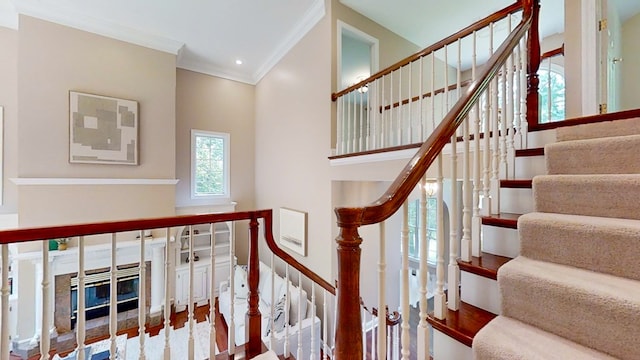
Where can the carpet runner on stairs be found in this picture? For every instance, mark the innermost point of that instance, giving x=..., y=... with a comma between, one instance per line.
x=574, y=291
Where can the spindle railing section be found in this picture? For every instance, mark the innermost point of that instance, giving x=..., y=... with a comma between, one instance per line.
x=309, y=336
x=483, y=120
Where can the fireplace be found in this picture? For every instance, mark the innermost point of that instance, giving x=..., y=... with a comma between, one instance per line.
x=98, y=293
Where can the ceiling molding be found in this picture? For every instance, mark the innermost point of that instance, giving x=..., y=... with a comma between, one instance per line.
x=306, y=23
x=98, y=26
x=210, y=69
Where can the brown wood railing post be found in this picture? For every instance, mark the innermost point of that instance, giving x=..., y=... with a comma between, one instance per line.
x=533, y=50
x=253, y=319
x=348, y=321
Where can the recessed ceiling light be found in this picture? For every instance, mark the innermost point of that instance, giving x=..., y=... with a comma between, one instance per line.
x=238, y=62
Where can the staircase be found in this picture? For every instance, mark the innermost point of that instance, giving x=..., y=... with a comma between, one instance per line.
x=572, y=290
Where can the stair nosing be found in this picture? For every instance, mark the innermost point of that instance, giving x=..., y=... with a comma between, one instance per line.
x=517, y=184
x=491, y=271
x=530, y=152
x=482, y=316
x=492, y=220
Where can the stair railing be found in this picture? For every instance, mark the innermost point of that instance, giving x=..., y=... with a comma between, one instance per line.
x=484, y=90
x=111, y=244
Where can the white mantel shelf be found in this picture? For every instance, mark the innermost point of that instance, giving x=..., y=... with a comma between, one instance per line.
x=90, y=249
x=91, y=181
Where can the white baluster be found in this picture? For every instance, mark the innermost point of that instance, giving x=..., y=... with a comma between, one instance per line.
x=420, y=100
x=433, y=91
x=396, y=335
x=439, y=299
x=339, y=122
x=503, y=123
x=325, y=339
x=273, y=305
x=231, y=337
x=399, y=124
x=286, y=313
x=453, y=270
x=113, y=296
x=299, y=354
x=368, y=128
x=495, y=141
x=81, y=316
x=364, y=332
x=142, y=294
x=212, y=294
x=354, y=128
x=409, y=105
x=373, y=337
x=167, y=293
x=4, y=294
x=391, y=127
x=511, y=152
x=383, y=127
x=314, y=339
x=524, y=126
x=486, y=197
x=190, y=306
x=404, y=299
x=517, y=104
x=362, y=122
x=382, y=286
x=422, y=338
x=472, y=224
x=46, y=303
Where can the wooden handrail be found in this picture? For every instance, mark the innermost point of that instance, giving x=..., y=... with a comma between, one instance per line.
x=409, y=177
x=426, y=95
x=513, y=8
x=551, y=53
x=349, y=344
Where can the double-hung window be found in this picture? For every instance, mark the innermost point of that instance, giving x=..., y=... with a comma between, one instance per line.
x=209, y=165
x=432, y=230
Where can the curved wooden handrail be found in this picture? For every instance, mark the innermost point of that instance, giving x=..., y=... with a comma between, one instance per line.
x=409, y=177
x=63, y=231
x=551, y=53
x=513, y=8
x=268, y=235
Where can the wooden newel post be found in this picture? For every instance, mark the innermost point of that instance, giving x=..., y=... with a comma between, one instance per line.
x=253, y=319
x=533, y=50
x=349, y=321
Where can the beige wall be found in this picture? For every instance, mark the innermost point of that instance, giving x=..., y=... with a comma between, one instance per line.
x=210, y=103
x=77, y=60
x=9, y=101
x=52, y=60
x=630, y=64
x=293, y=109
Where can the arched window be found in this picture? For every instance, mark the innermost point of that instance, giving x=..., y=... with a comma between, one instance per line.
x=551, y=90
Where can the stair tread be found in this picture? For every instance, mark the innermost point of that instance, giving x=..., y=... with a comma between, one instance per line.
x=506, y=220
x=517, y=183
x=503, y=339
x=530, y=152
x=464, y=324
x=486, y=266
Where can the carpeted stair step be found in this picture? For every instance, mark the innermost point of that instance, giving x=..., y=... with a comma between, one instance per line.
x=606, y=245
x=621, y=127
x=508, y=339
x=610, y=195
x=485, y=266
x=596, y=310
x=594, y=156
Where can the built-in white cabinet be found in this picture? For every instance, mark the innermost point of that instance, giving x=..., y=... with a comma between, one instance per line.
x=199, y=254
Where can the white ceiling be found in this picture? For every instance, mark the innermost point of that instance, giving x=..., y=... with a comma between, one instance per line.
x=209, y=35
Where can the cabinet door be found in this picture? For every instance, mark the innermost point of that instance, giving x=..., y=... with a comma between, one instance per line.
x=182, y=288
x=200, y=282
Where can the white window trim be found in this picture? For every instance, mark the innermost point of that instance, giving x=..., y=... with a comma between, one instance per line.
x=227, y=192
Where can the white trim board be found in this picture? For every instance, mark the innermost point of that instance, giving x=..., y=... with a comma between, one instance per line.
x=90, y=181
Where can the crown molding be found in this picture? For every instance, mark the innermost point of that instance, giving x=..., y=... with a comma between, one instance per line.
x=306, y=23
x=91, y=181
x=213, y=70
x=98, y=26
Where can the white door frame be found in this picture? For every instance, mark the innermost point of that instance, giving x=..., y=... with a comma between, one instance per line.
x=372, y=41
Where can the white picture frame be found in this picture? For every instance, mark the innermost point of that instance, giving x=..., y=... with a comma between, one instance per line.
x=293, y=230
x=102, y=129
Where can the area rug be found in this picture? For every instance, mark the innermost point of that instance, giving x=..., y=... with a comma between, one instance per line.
x=178, y=340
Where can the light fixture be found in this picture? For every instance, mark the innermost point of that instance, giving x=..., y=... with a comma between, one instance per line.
x=238, y=62
x=363, y=89
x=430, y=188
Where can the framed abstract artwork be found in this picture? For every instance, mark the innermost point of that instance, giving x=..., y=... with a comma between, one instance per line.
x=293, y=230
x=102, y=129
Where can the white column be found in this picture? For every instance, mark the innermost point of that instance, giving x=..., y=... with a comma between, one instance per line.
x=157, y=279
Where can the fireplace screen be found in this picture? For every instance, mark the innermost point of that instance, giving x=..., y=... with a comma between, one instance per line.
x=98, y=293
